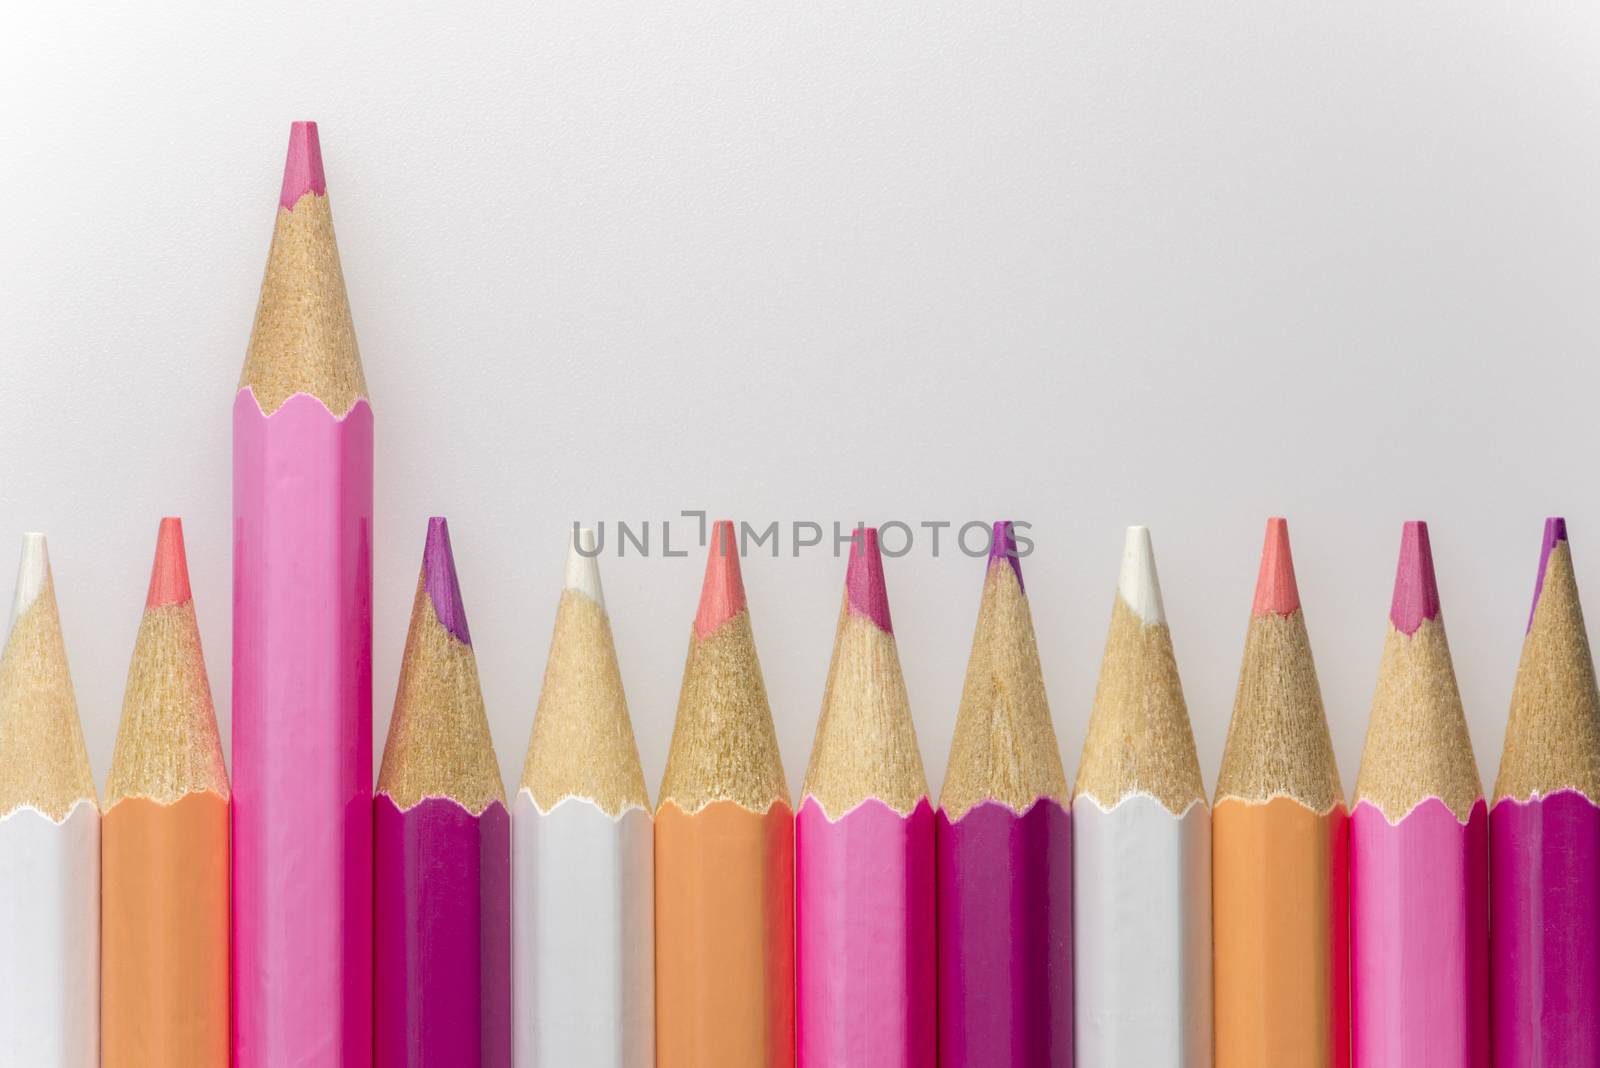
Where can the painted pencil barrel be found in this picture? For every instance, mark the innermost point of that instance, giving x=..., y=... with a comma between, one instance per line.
x=865, y=960
x=164, y=933
x=1141, y=934
x=1005, y=937
x=1280, y=934
x=441, y=935
x=50, y=938
x=724, y=937
x=583, y=936
x=1544, y=898
x=1419, y=937
x=302, y=734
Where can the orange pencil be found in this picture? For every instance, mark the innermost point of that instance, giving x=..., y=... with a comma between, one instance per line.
x=1279, y=849
x=164, y=845
x=724, y=851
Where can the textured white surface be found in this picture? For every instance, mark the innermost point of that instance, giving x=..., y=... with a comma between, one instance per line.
x=50, y=939
x=1138, y=583
x=1141, y=935
x=583, y=936
x=1084, y=265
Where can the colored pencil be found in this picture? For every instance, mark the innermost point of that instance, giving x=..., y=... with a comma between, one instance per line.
x=724, y=850
x=1004, y=849
x=164, y=845
x=441, y=910
x=49, y=840
x=583, y=914
x=864, y=915
x=1419, y=849
x=1141, y=848
x=1279, y=856
x=1544, y=879
x=302, y=653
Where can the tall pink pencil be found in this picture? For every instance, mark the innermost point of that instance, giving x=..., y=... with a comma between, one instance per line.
x=864, y=921
x=1419, y=850
x=302, y=654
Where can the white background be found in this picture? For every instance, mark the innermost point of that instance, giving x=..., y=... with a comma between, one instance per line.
x=1079, y=264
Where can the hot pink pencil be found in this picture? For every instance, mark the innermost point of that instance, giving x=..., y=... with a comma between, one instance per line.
x=864, y=920
x=302, y=654
x=1419, y=850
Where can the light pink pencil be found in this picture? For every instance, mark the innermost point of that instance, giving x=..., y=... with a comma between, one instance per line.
x=302, y=654
x=1419, y=856
x=864, y=918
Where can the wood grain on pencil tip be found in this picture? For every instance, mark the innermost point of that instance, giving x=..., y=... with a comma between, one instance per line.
x=866, y=743
x=1417, y=743
x=44, y=763
x=582, y=744
x=1004, y=746
x=303, y=339
x=1140, y=740
x=168, y=744
x=724, y=744
x=439, y=743
x=1278, y=743
x=1552, y=739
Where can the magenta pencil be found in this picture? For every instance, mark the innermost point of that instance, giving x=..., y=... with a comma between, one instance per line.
x=1004, y=850
x=302, y=654
x=442, y=851
x=1419, y=849
x=864, y=934
x=1544, y=877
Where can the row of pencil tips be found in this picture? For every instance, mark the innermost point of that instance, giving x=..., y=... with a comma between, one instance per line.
x=566, y=925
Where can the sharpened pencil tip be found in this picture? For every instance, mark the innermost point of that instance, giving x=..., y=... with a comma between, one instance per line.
x=1555, y=531
x=1276, y=591
x=439, y=576
x=722, y=593
x=169, y=575
x=583, y=566
x=1416, y=589
x=33, y=570
x=865, y=591
x=1138, y=584
x=302, y=170
x=1003, y=546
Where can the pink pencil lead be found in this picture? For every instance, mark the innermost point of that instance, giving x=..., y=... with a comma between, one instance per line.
x=302, y=170
x=1416, y=590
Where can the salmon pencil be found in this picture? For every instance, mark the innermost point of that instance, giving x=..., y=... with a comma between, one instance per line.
x=1004, y=849
x=864, y=933
x=724, y=850
x=49, y=841
x=583, y=909
x=1544, y=879
x=1141, y=848
x=302, y=653
x=1419, y=849
x=164, y=845
x=441, y=849
x=1279, y=849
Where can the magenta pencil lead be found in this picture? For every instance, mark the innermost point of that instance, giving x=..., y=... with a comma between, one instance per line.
x=1416, y=591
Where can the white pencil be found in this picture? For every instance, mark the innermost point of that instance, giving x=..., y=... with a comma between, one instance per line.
x=1141, y=858
x=49, y=841
x=583, y=890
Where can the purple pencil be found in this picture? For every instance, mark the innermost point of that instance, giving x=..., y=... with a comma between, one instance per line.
x=1544, y=830
x=441, y=849
x=1004, y=849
